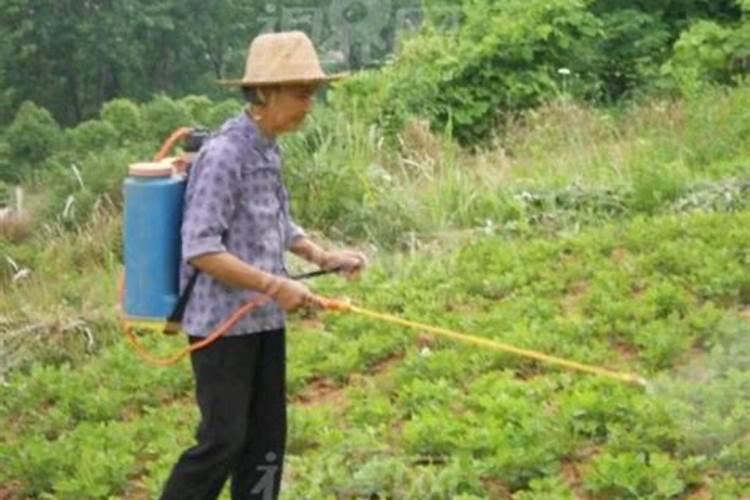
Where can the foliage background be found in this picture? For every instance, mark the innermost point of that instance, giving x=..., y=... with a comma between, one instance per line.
x=501, y=54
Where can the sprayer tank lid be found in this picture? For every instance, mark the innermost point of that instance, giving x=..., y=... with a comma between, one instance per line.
x=150, y=169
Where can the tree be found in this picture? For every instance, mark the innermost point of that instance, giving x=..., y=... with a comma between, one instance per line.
x=70, y=56
x=32, y=138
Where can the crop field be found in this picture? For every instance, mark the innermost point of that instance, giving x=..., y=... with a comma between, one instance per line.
x=381, y=412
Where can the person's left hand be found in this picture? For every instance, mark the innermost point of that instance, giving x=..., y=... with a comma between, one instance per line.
x=350, y=263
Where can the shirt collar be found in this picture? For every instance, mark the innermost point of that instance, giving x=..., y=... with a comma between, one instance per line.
x=259, y=137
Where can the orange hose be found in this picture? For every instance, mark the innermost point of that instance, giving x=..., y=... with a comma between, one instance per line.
x=221, y=330
x=169, y=144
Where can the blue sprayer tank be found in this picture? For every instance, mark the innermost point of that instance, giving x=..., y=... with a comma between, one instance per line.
x=151, y=238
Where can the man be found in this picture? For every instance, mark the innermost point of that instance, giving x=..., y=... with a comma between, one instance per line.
x=235, y=232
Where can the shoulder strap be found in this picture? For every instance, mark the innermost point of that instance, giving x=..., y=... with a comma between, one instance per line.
x=174, y=320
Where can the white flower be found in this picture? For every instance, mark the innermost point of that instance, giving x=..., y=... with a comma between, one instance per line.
x=564, y=71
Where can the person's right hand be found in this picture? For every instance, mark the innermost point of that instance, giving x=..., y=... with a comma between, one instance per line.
x=291, y=295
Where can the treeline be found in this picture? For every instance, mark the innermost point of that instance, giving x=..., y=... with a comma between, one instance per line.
x=71, y=56
x=470, y=66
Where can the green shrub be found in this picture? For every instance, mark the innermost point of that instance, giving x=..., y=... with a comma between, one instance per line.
x=93, y=136
x=104, y=173
x=125, y=117
x=634, y=475
x=545, y=488
x=627, y=58
x=221, y=112
x=162, y=116
x=711, y=52
x=513, y=65
x=504, y=58
x=199, y=108
x=101, y=174
x=656, y=185
x=32, y=137
x=701, y=55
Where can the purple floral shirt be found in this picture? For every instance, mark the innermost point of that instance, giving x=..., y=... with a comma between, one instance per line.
x=236, y=202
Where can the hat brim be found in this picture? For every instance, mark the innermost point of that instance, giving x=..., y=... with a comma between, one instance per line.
x=250, y=83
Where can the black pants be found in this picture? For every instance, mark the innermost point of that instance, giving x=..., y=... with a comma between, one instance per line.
x=240, y=388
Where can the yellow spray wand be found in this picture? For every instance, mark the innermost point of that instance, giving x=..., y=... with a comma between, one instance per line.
x=341, y=306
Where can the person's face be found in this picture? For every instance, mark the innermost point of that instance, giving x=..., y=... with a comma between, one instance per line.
x=289, y=105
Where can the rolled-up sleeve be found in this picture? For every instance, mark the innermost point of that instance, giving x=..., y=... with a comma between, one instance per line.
x=212, y=195
x=293, y=232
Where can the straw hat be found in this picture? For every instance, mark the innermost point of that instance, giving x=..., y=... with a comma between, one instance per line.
x=282, y=58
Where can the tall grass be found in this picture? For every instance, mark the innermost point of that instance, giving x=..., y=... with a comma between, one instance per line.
x=695, y=137
x=63, y=307
x=345, y=179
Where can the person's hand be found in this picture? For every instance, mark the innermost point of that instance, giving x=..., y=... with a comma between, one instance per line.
x=349, y=263
x=291, y=295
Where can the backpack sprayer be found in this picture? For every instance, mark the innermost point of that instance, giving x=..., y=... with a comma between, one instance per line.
x=149, y=292
x=150, y=296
